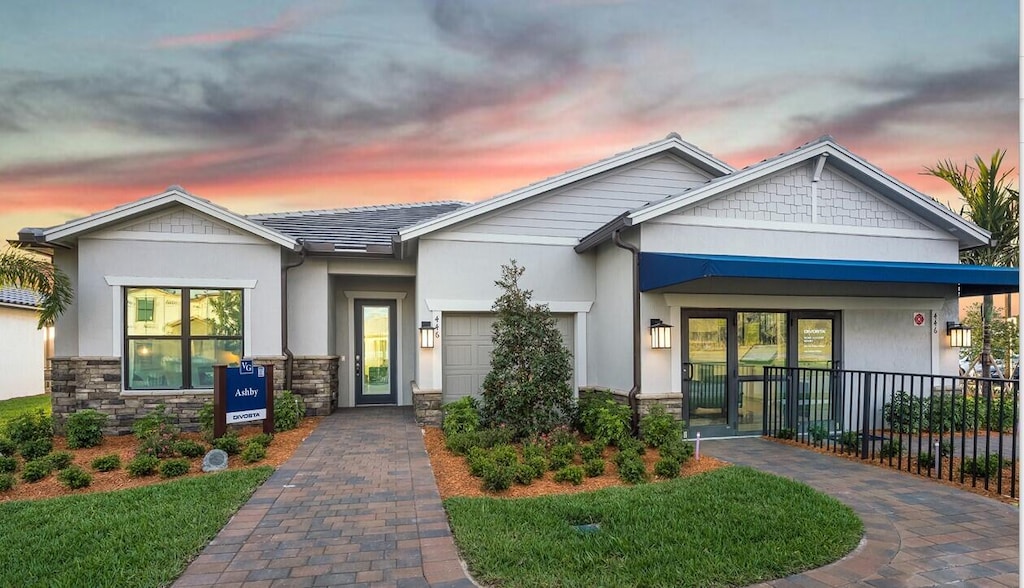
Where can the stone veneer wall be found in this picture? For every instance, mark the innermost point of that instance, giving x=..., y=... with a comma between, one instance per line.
x=78, y=383
x=427, y=406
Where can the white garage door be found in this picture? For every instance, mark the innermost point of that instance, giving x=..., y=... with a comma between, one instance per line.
x=466, y=341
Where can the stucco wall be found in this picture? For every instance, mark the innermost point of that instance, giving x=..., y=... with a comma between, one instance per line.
x=309, y=304
x=611, y=318
x=66, y=340
x=21, y=353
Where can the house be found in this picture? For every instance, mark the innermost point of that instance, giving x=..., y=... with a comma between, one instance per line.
x=24, y=348
x=674, y=279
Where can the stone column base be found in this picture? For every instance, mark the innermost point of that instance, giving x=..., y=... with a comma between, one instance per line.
x=427, y=406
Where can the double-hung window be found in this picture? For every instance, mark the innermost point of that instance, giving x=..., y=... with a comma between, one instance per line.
x=174, y=336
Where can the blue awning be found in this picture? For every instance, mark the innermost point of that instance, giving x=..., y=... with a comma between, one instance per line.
x=660, y=270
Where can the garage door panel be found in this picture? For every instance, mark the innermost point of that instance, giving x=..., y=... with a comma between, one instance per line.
x=460, y=355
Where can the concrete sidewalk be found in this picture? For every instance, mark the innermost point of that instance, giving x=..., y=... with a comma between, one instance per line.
x=918, y=532
x=356, y=505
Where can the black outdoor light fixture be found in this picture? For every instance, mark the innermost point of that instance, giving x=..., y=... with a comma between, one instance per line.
x=661, y=335
x=428, y=332
x=959, y=335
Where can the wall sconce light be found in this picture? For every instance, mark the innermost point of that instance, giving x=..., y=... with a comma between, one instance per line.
x=428, y=332
x=959, y=335
x=661, y=335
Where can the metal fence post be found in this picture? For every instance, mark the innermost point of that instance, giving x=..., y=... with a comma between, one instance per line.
x=865, y=417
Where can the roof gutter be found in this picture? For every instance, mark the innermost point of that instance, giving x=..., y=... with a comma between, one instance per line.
x=635, y=390
x=601, y=234
x=305, y=247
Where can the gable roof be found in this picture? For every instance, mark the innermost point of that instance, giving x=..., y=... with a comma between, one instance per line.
x=173, y=195
x=354, y=229
x=19, y=297
x=672, y=144
x=925, y=207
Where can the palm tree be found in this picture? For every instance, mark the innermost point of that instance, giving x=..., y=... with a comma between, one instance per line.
x=21, y=270
x=991, y=203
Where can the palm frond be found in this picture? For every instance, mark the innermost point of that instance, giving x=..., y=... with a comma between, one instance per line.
x=21, y=270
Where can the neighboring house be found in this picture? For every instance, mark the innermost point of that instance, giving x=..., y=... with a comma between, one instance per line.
x=24, y=348
x=811, y=258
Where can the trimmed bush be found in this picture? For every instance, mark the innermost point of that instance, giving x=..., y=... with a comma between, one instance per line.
x=594, y=467
x=74, y=477
x=6, y=482
x=173, y=468
x=35, y=448
x=926, y=459
x=785, y=433
x=850, y=441
x=288, y=410
x=892, y=448
x=35, y=470
x=504, y=455
x=667, y=467
x=572, y=474
x=590, y=451
x=537, y=464
x=143, y=465
x=7, y=447
x=461, y=416
x=59, y=460
x=107, y=463
x=523, y=474
x=189, y=448
x=561, y=456
x=8, y=465
x=612, y=424
x=206, y=421
x=263, y=439
x=631, y=467
x=29, y=426
x=679, y=451
x=229, y=443
x=531, y=450
x=253, y=452
x=478, y=458
x=586, y=410
x=982, y=467
x=156, y=434
x=498, y=477
x=84, y=428
x=658, y=427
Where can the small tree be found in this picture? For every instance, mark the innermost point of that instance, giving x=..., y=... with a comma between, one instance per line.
x=528, y=388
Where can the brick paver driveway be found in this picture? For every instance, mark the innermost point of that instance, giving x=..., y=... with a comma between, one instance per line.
x=355, y=505
x=918, y=532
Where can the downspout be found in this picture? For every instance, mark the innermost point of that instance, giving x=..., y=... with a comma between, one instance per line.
x=635, y=390
x=818, y=166
x=289, y=357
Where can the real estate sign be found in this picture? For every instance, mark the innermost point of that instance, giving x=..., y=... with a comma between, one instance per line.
x=243, y=394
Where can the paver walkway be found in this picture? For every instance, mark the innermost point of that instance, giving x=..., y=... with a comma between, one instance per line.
x=356, y=505
x=917, y=532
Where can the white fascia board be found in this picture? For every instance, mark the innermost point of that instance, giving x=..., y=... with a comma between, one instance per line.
x=668, y=145
x=450, y=305
x=150, y=282
x=126, y=211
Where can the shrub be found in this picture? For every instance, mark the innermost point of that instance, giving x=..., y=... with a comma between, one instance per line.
x=678, y=451
x=587, y=408
x=531, y=450
x=560, y=435
x=189, y=448
x=498, y=477
x=206, y=421
x=658, y=427
x=892, y=448
x=529, y=387
x=504, y=455
x=253, y=452
x=8, y=465
x=590, y=451
x=926, y=459
x=85, y=428
x=461, y=416
x=107, y=463
x=288, y=410
x=613, y=423
x=561, y=456
x=594, y=467
x=785, y=433
x=229, y=443
x=59, y=460
x=143, y=465
x=154, y=422
x=478, y=459
x=74, y=478
x=7, y=447
x=35, y=448
x=572, y=474
x=633, y=446
x=982, y=467
x=631, y=467
x=461, y=443
x=263, y=439
x=903, y=413
x=523, y=474
x=850, y=441
x=172, y=468
x=667, y=467
x=537, y=464
x=156, y=433
x=35, y=470
x=818, y=433
x=29, y=426
x=6, y=482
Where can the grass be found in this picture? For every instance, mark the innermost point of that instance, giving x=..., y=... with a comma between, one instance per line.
x=732, y=526
x=139, y=537
x=15, y=406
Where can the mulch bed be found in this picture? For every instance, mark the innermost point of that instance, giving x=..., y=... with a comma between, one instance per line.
x=453, y=477
x=283, y=446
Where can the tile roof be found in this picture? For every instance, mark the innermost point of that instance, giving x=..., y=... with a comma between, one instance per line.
x=19, y=297
x=354, y=228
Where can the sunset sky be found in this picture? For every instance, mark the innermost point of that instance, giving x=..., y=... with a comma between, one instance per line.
x=266, y=105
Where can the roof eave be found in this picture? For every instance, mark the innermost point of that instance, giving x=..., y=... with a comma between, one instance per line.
x=603, y=233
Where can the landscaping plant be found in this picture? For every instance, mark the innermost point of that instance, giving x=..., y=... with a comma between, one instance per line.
x=612, y=424
x=84, y=428
x=461, y=416
x=229, y=443
x=891, y=448
x=59, y=460
x=74, y=477
x=529, y=387
x=188, y=448
x=156, y=434
x=982, y=467
x=173, y=468
x=107, y=463
x=571, y=473
x=288, y=410
x=205, y=417
x=594, y=467
x=253, y=452
x=7, y=447
x=35, y=448
x=263, y=439
x=6, y=482
x=143, y=465
x=561, y=456
x=8, y=465
x=35, y=470
x=658, y=427
x=29, y=426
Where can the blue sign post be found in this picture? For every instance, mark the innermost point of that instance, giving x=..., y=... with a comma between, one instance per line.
x=243, y=394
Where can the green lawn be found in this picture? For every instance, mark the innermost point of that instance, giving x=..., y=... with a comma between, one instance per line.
x=15, y=406
x=139, y=537
x=729, y=527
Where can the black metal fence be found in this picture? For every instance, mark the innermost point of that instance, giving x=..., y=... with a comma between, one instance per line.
x=959, y=429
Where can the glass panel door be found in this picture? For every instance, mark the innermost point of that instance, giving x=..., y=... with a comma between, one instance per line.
x=375, y=352
x=818, y=395
x=761, y=341
x=706, y=397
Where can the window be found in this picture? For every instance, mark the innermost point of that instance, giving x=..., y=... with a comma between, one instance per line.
x=178, y=335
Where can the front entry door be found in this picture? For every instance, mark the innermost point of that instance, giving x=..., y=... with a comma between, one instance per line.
x=708, y=385
x=376, y=352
